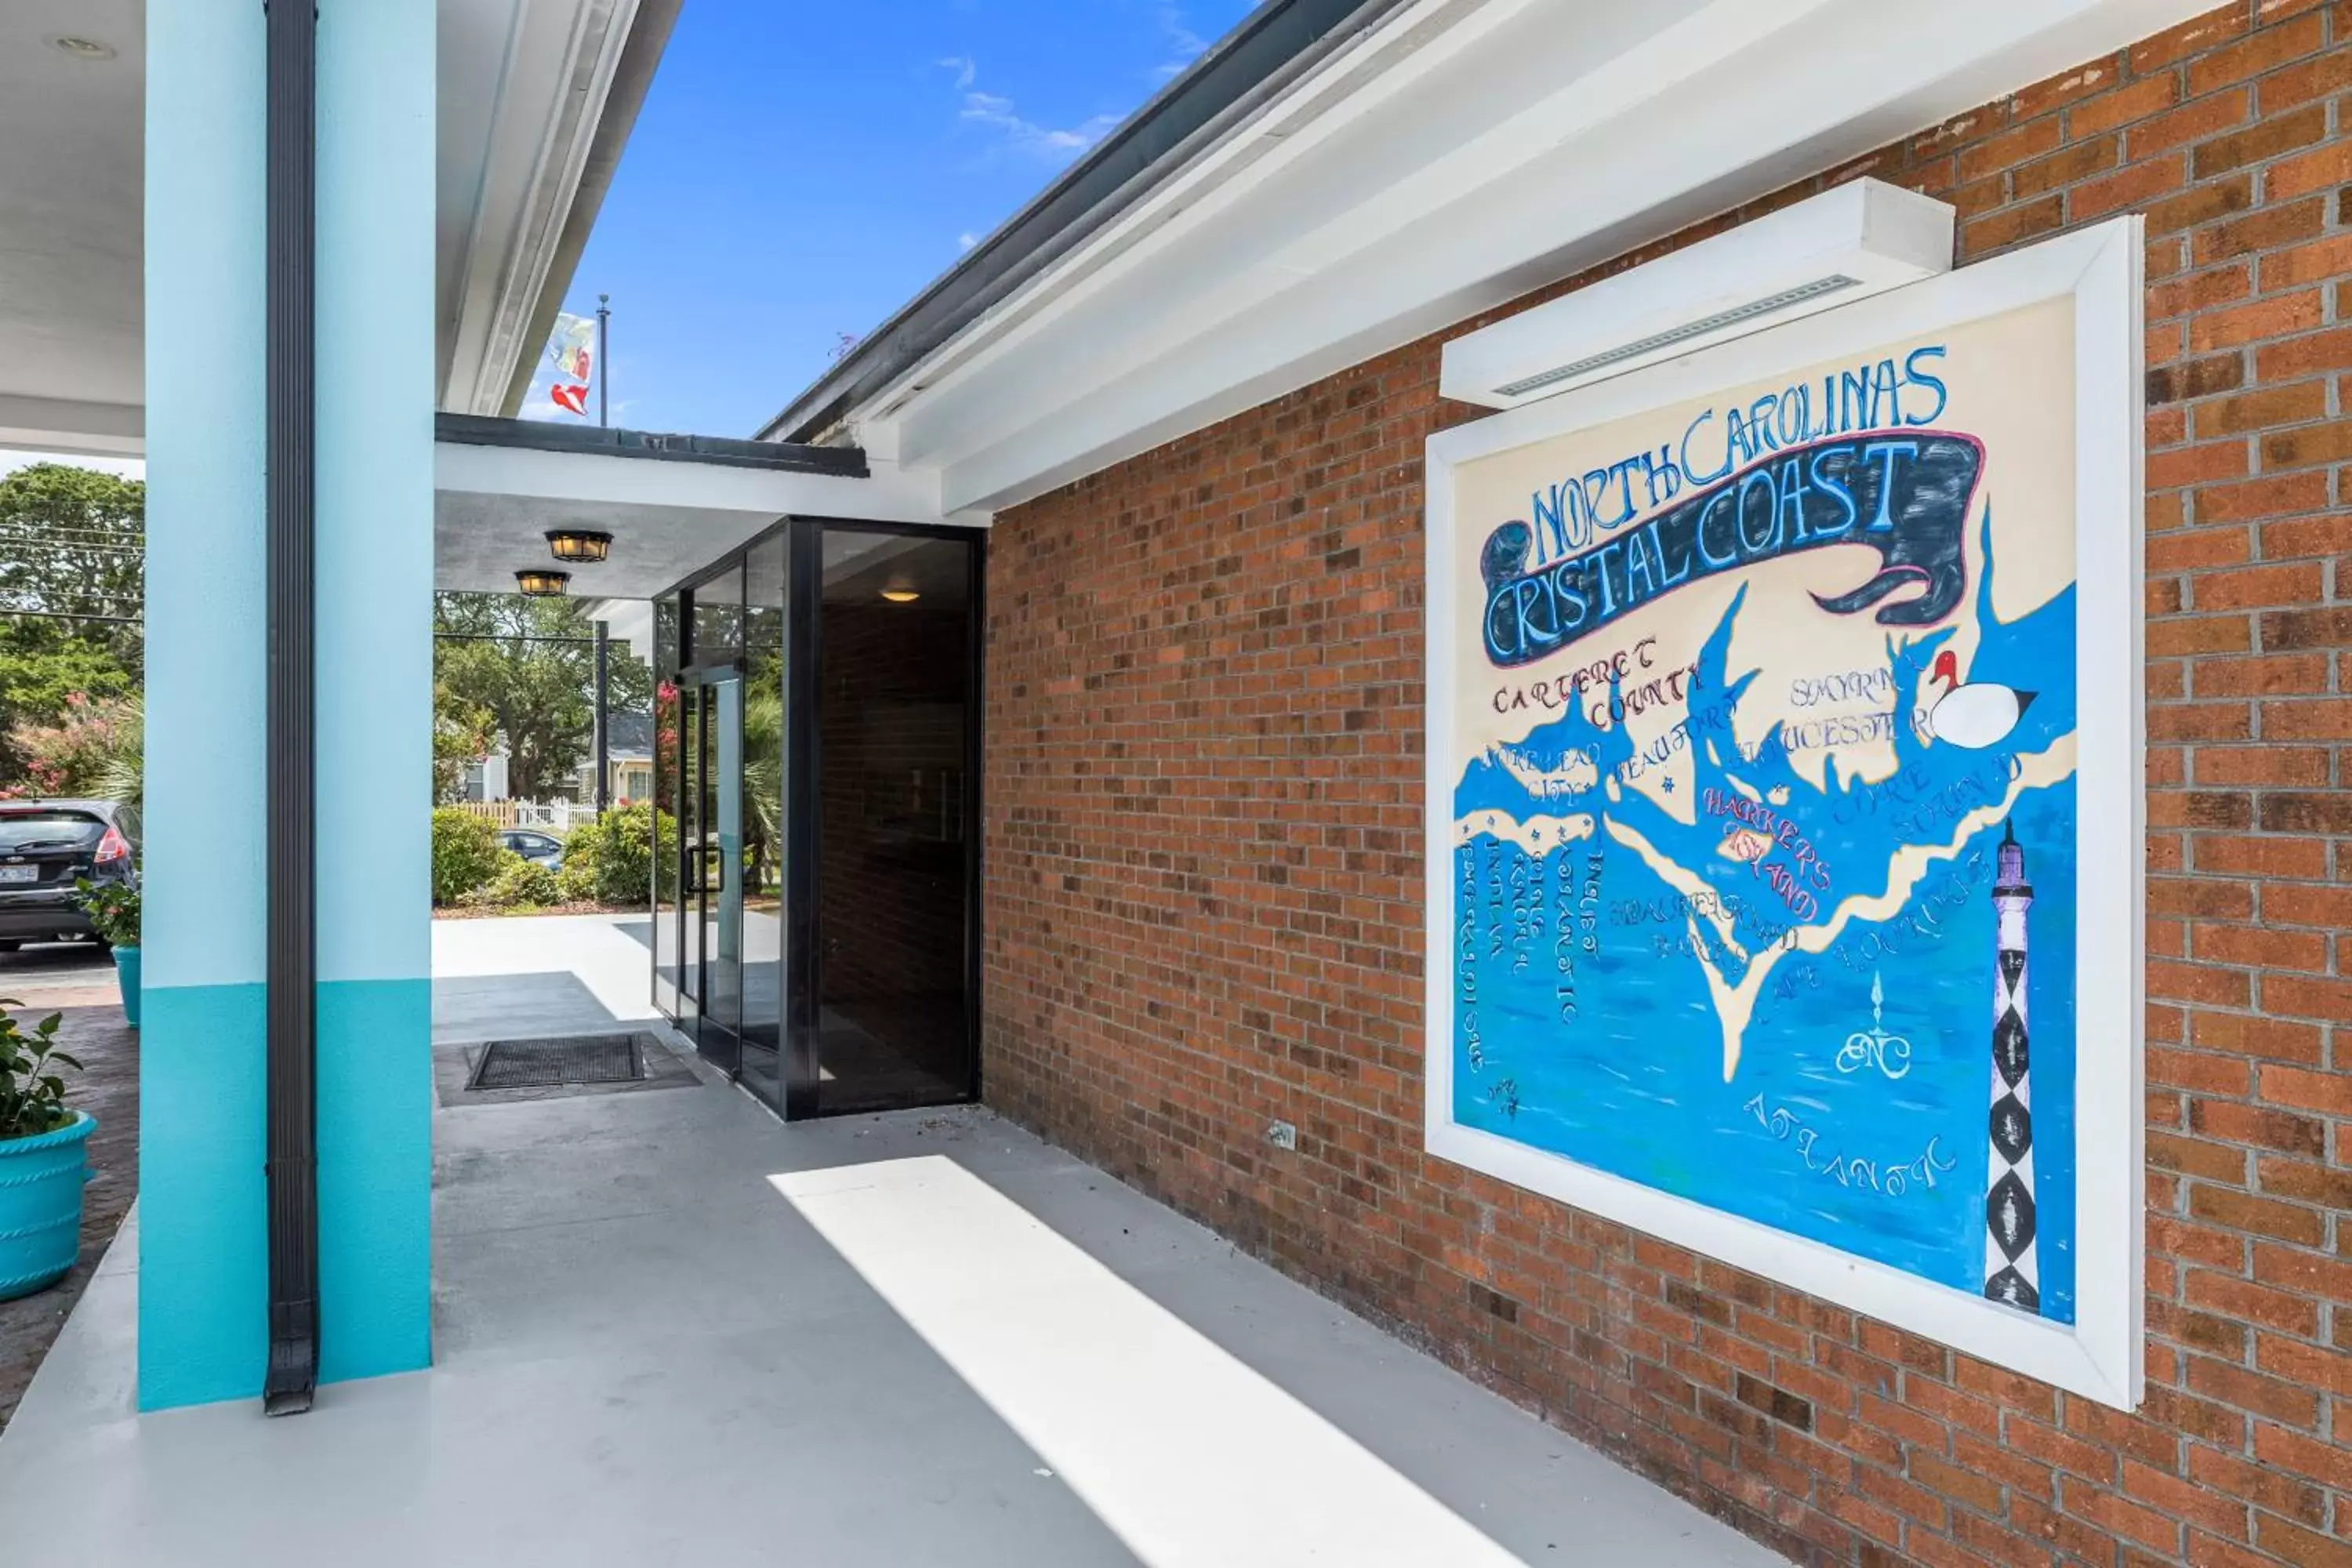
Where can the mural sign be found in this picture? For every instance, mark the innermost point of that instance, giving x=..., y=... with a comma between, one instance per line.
x=1784, y=803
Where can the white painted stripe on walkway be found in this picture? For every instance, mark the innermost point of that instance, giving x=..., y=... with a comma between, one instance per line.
x=1188, y=1455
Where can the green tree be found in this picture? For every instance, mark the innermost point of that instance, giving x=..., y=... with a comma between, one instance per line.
x=72, y=546
x=530, y=665
x=72, y=543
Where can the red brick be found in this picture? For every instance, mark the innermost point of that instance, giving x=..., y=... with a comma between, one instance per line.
x=2321, y=261
x=2259, y=587
x=2330, y=1464
x=2272, y=406
x=2133, y=185
x=2009, y=148
x=2272, y=136
x=2318, y=170
x=2308, y=721
x=2076, y=164
x=2300, y=83
x=2106, y=111
x=2267, y=229
x=2251, y=323
x=2329, y=1093
x=2013, y=224
x=2197, y=34
x=2304, y=1548
x=2282, y=496
x=2267, y=50
x=2070, y=86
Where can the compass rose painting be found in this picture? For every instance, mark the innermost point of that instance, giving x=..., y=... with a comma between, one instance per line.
x=1783, y=772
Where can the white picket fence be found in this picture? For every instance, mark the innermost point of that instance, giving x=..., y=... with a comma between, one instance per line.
x=556, y=817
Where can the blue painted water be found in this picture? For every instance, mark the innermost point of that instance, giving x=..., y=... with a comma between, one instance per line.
x=1583, y=1020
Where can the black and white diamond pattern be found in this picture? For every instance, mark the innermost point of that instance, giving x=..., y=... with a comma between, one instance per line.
x=2012, y=1266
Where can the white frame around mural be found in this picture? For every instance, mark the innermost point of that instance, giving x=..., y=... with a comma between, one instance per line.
x=2101, y=1354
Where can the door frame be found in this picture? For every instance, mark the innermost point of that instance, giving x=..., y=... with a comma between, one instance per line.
x=701, y=681
x=800, y=960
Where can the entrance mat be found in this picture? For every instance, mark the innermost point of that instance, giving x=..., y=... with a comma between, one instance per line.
x=560, y=1062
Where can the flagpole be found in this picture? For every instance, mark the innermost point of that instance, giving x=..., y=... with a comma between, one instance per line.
x=604, y=360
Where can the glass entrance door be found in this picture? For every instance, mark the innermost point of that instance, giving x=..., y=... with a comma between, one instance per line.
x=718, y=873
x=817, y=888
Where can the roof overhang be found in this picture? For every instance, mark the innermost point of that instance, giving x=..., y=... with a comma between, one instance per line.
x=1448, y=159
x=535, y=99
x=672, y=503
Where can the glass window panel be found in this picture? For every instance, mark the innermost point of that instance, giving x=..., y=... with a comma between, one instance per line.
x=719, y=618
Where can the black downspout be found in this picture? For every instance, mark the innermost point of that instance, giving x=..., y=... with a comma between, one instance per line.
x=603, y=794
x=289, y=807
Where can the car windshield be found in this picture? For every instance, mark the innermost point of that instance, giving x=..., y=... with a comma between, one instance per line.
x=22, y=829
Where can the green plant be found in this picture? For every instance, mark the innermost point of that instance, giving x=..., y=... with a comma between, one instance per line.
x=611, y=860
x=32, y=1096
x=113, y=908
x=466, y=852
x=522, y=883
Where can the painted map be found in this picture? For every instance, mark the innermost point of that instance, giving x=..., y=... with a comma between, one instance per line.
x=1763, y=823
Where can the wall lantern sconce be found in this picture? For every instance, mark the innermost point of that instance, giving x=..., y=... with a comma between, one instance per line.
x=578, y=544
x=541, y=584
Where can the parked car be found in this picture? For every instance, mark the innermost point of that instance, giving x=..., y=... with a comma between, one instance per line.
x=45, y=845
x=539, y=848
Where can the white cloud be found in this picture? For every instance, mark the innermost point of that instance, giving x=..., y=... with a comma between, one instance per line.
x=1184, y=46
x=1000, y=114
x=966, y=240
x=967, y=71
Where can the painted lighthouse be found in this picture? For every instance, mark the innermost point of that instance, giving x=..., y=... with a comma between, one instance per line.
x=2012, y=1267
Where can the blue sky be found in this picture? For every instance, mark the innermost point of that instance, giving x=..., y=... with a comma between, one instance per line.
x=800, y=170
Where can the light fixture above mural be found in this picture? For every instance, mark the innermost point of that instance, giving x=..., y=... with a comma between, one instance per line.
x=539, y=582
x=578, y=544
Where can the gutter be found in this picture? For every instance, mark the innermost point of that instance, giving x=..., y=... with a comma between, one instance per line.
x=1278, y=44
x=290, y=802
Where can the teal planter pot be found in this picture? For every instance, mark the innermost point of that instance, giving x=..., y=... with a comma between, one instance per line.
x=40, y=1207
x=126, y=966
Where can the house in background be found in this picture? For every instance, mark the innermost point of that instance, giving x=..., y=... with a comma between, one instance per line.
x=629, y=761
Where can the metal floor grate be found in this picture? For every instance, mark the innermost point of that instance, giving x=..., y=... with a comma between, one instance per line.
x=555, y=1063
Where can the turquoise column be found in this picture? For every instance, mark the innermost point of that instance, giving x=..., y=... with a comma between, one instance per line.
x=375, y=362
x=203, y=1258
x=203, y=1331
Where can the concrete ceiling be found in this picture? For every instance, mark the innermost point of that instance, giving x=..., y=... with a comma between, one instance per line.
x=71, y=162
x=536, y=99
x=668, y=519
x=479, y=541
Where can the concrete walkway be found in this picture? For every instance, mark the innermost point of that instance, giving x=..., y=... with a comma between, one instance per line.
x=672, y=1331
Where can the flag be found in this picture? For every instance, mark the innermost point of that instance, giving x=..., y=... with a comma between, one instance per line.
x=571, y=348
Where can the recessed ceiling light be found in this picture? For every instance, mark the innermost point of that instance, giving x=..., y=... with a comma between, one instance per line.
x=83, y=48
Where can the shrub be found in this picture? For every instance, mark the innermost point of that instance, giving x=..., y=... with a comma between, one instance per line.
x=611, y=860
x=522, y=883
x=466, y=852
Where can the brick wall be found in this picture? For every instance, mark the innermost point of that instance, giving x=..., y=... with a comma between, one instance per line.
x=1203, y=888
